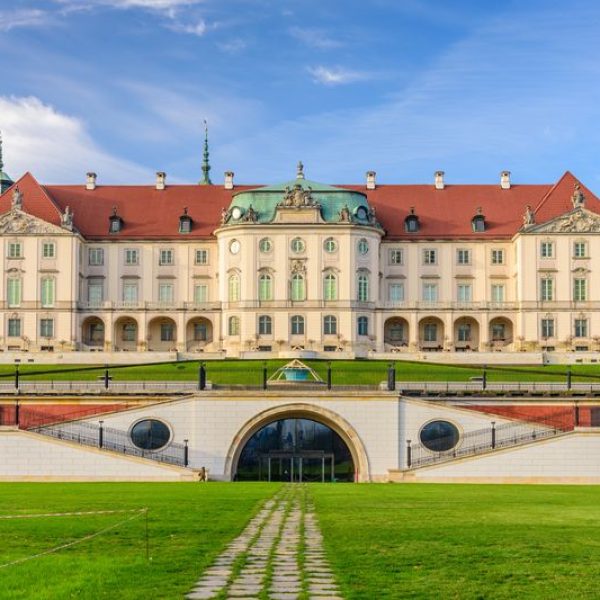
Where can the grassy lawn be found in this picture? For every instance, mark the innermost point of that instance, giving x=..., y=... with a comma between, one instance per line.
x=463, y=542
x=249, y=372
x=188, y=524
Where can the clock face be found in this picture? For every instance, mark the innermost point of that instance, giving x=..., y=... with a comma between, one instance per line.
x=361, y=212
x=234, y=247
x=236, y=213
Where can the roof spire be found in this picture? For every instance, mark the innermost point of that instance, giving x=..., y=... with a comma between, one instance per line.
x=300, y=170
x=205, y=162
x=5, y=180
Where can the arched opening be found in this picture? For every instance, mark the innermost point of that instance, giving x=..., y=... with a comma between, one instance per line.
x=466, y=334
x=295, y=450
x=501, y=333
x=297, y=442
x=199, y=333
x=395, y=333
x=431, y=334
x=93, y=333
x=162, y=335
x=126, y=334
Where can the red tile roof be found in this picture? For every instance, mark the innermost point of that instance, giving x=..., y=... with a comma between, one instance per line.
x=148, y=213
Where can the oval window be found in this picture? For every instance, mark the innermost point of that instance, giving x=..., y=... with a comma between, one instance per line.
x=439, y=436
x=150, y=434
x=265, y=245
x=298, y=245
x=330, y=245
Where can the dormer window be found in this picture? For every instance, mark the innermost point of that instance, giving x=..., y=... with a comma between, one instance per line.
x=185, y=222
x=115, y=222
x=478, y=222
x=411, y=223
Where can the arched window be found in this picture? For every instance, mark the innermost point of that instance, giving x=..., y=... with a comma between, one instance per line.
x=363, y=288
x=234, y=326
x=265, y=287
x=129, y=333
x=265, y=325
x=396, y=331
x=430, y=332
x=234, y=288
x=330, y=325
x=298, y=291
x=330, y=291
x=297, y=323
x=363, y=326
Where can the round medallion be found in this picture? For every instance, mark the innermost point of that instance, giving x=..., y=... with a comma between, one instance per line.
x=236, y=213
x=234, y=246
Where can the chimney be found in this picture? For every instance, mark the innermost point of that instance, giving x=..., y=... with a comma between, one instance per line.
x=161, y=178
x=439, y=180
x=505, y=180
x=371, y=180
x=90, y=184
x=228, y=180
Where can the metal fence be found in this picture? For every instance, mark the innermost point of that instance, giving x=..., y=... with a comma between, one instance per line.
x=491, y=438
x=98, y=436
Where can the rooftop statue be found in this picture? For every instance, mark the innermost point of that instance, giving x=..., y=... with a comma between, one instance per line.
x=529, y=216
x=17, y=199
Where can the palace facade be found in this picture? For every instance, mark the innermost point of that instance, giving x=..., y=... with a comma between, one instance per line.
x=238, y=270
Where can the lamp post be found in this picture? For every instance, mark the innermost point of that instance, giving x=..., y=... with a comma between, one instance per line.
x=493, y=434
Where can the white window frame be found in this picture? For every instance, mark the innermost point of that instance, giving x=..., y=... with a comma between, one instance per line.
x=96, y=257
x=48, y=250
x=497, y=256
x=201, y=256
x=430, y=256
x=166, y=257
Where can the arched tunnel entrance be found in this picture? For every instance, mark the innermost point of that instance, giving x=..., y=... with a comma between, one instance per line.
x=295, y=449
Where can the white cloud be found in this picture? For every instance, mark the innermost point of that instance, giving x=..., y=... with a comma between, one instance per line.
x=54, y=146
x=233, y=46
x=29, y=17
x=314, y=38
x=160, y=5
x=198, y=29
x=335, y=75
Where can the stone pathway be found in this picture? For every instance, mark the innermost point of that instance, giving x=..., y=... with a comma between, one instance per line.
x=279, y=556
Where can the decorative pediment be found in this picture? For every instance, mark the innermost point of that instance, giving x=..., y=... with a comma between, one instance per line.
x=579, y=220
x=17, y=222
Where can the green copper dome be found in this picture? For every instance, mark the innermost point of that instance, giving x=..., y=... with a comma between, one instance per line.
x=5, y=180
x=336, y=204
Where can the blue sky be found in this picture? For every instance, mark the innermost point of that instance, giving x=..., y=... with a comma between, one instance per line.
x=402, y=87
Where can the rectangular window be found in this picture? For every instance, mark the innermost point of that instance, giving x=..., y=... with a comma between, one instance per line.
x=430, y=292
x=546, y=290
x=497, y=256
x=396, y=256
x=580, y=250
x=580, y=290
x=547, y=250
x=96, y=257
x=14, y=328
x=463, y=256
x=201, y=293
x=167, y=332
x=15, y=250
x=498, y=332
x=95, y=291
x=48, y=291
x=47, y=328
x=200, y=332
x=547, y=328
x=581, y=328
x=201, y=256
x=464, y=292
x=498, y=294
x=430, y=332
x=165, y=292
x=464, y=332
x=396, y=292
x=14, y=292
x=429, y=256
x=48, y=250
x=132, y=256
x=165, y=257
x=130, y=291
x=363, y=288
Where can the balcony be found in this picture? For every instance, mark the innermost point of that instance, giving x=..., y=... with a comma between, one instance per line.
x=123, y=305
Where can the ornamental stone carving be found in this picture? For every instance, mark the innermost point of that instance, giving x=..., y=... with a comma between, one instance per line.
x=17, y=199
x=66, y=219
x=578, y=221
x=297, y=197
x=528, y=217
x=17, y=222
x=578, y=199
x=298, y=266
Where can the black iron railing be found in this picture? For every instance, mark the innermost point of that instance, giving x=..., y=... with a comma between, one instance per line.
x=97, y=435
x=486, y=440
